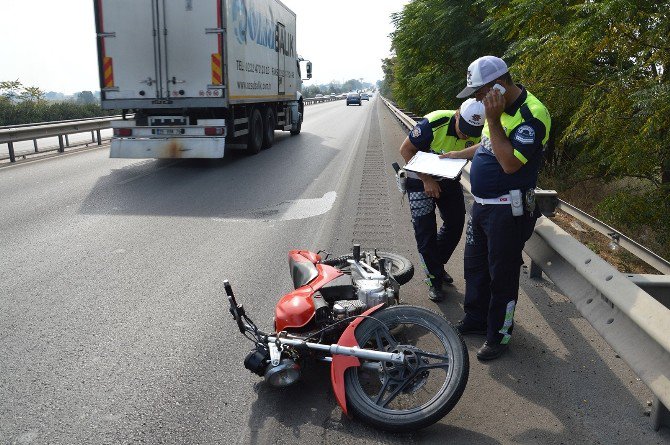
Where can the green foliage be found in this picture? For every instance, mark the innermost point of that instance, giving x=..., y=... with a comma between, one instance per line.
x=25, y=105
x=434, y=42
x=641, y=214
x=32, y=112
x=385, y=86
x=600, y=66
x=85, y=97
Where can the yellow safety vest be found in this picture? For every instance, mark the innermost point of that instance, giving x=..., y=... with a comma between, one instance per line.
x=442, y=142
x=531, y=108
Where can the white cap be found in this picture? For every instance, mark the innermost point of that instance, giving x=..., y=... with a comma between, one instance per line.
x=482, y=71
x=471, y=120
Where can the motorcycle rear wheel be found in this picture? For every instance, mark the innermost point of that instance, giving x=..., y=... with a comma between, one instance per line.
x=402, y=269
x=408, y=397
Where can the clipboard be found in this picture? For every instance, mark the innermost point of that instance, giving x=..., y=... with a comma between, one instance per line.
x=432, y=164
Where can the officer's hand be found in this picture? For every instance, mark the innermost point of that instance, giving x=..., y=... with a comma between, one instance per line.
x=494, y=104
x=431, y=187
x=449, y=155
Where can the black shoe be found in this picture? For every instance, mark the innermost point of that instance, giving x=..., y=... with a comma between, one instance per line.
x=447, y=278
x=490, y=351
x=469, y=328
x=435, y=294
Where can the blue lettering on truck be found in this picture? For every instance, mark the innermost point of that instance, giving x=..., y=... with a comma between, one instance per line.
x=251, y=24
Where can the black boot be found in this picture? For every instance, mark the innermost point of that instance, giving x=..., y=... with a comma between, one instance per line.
x=469, y=328
x=435, y=293
x=491, y=351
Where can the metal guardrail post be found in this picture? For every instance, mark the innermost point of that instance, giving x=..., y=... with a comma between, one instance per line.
x=99, y=138
x=61, y=147
x=35, y=146
x=10, y=146
x=535, y=270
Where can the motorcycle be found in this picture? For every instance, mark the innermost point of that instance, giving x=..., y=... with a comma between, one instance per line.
x=394, y=366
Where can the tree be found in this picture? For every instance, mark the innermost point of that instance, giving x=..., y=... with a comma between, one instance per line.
x=85, y=97
x=602, y=69
x=386, y=85
x=10, y=89
x=434, y=42
x=32, y=94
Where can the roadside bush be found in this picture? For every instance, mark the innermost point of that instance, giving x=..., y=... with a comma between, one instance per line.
x=28, y=112
x=643, y=215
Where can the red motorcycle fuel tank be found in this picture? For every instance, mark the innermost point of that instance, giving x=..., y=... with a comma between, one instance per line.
x=296, y=309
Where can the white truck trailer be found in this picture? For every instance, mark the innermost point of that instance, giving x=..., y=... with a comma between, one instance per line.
x=198, y=74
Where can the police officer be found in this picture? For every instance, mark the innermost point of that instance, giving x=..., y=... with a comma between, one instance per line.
x=441, y=131
x=504, y=165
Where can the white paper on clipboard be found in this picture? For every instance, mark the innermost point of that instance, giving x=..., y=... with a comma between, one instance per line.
x=432, y=164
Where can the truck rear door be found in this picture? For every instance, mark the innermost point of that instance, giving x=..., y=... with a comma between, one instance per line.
x=191, y=48
x=126, y=36
x=160, y=49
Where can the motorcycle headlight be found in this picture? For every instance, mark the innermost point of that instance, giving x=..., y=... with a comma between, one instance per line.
x=284, y=374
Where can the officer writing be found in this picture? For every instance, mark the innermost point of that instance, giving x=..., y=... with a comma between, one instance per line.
x=504, y=169
x=441, y=131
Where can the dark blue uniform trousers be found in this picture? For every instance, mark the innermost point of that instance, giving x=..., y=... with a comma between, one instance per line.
x=435, y=247
x=493, y=243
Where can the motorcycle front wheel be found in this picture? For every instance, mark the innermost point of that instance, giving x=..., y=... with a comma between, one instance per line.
x=421, y=391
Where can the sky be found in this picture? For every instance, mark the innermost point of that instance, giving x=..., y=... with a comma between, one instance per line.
x=52, y=45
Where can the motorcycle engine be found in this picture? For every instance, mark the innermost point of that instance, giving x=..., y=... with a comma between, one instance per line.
x=373, y=292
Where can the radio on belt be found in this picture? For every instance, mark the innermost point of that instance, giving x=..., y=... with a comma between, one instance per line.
x=517, y=202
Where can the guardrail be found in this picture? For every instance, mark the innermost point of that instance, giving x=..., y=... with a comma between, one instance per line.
x=316, y=100
x=19, y=133
x=632, y=321
x=61, y=129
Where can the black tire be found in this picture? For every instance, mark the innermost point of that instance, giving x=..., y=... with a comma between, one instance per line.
x=297, y=130
x=268, y=128
x=255, y=136
x=449, y=358
x=402, y=269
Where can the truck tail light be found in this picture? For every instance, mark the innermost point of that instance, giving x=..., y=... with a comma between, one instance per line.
x=123, y=132
x=213, y=131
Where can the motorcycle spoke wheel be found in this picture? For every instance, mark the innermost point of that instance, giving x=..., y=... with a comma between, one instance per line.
x=422, y=390
x=414, y=385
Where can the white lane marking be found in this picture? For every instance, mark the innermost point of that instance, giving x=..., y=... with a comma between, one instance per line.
x=290, y=210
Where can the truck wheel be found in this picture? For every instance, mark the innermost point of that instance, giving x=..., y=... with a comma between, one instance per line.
x=255, y=136
x=297, y=130
x=269, y=128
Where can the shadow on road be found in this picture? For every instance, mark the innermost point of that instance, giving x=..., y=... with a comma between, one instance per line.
x=309, y=413
x=236, y=187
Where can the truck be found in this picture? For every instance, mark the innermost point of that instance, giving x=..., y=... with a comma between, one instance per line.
x=193, y=77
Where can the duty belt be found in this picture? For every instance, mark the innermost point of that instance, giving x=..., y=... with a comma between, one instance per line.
x=504, y=199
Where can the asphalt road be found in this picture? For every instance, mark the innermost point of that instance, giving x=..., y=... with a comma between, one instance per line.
x=114, y=328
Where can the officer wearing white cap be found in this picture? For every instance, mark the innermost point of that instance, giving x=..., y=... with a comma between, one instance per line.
x=441, y=131
x=504, y=168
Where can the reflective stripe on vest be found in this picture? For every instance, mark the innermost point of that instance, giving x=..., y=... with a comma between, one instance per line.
x=442, y=142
